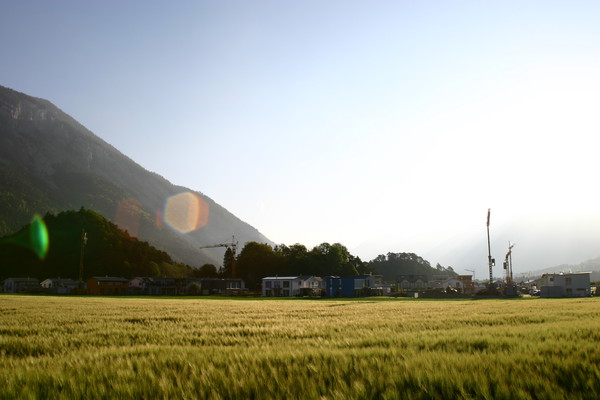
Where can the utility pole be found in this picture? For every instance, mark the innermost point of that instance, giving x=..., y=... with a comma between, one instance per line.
x=83, y=243
x=491, y=261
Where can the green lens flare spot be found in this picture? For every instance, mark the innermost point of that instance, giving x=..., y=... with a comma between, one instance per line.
x=38, y=237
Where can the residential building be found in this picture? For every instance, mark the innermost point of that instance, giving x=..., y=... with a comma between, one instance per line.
x=140, y=285
x=21, y=285
x=354, y=286
x=462, y=283
x=169, y=286
x=221, y=286
x=437, y=281
x=291, y=286
x=412, y=282
x=107, y=286
x=60, y=285
x=575, y=284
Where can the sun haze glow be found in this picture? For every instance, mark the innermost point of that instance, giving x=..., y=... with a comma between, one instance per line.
x=293, y=115
x=129, y=216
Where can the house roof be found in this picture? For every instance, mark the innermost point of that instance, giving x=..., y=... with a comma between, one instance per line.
x=411, y=278
x=22, y=280
x=567, y=273
x=110, y=278
x=281, y=277
x=61, y=280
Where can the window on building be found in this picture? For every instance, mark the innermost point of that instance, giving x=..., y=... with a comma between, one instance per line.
x=268, y=284
x=359, y=284
x=286, y=284
x=568, y=281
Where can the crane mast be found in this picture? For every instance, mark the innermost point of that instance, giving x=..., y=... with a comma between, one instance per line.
x=471, y=271
x=508, y=264
x=491, y=261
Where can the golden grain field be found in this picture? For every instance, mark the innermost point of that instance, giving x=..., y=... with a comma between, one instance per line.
x=86, y=347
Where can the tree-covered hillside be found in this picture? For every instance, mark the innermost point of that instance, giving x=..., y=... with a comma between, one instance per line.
x=397, y=264
x=107, y=250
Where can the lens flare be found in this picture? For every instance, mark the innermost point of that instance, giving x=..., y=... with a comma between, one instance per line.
x=186, y=212
x=159, y=219
x=38, y=237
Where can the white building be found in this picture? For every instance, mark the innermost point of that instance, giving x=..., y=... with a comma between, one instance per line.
x=291, y=286
x=565, y=285
x=412, y=282
x=60, y=285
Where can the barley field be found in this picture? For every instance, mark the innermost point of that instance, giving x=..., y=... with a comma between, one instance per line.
x=122, y=348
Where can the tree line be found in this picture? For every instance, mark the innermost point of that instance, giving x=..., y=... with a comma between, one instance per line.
x=113, y=252
x=110, y=251
x=257, y=260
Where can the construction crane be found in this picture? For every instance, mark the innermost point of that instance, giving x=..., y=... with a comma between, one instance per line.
x=508, y=264
x=472, y=271
x=232, y=246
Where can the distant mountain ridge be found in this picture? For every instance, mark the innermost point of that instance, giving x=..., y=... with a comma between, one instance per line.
x=50, y=163
x=592, y=265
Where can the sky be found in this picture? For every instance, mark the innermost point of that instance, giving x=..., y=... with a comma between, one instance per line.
x=387, y=126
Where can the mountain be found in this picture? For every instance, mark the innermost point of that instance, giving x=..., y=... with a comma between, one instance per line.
x=542, y=241
x=53, y=247
x=591, y=265
x=50, y=163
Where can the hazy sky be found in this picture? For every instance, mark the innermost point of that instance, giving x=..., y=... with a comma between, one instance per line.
x=383, y=125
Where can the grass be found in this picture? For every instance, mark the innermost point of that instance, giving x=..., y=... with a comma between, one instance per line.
x=85, y=347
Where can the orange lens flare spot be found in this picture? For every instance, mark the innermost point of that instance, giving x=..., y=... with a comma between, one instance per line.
x=129, y=213
x=186, y=212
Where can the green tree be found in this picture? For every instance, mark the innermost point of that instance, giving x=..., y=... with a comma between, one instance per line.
x=395, y=264
x=257, y=260
x=153, y=270
x=206, y=271
x=332, y=259
x=228, y=264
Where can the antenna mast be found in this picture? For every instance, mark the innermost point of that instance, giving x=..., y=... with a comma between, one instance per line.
x=83, y=243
